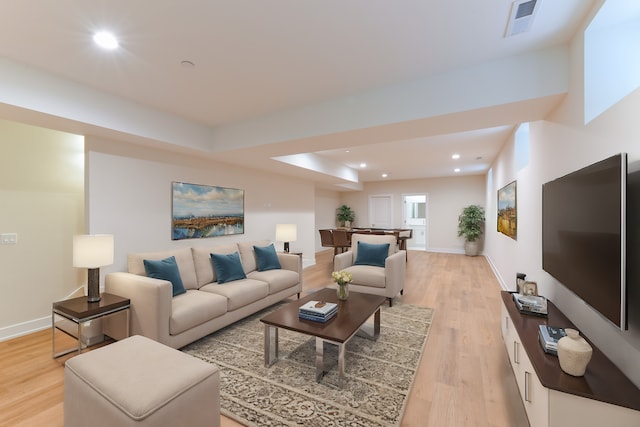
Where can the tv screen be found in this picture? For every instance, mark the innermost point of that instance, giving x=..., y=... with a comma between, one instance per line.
x=583, y=235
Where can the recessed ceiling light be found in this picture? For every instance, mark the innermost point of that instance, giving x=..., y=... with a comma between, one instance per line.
x=106, y=40
x=455, y=156
x=384, y=175
x=456, y=170
x=363, y=165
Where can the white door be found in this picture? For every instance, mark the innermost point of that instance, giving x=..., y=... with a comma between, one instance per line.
x=415, y=209
x=381, y=211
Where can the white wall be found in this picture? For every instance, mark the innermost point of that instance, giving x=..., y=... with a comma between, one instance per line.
x=559, y=145
x=129, y=195
x=446, y=196
x=41, y=188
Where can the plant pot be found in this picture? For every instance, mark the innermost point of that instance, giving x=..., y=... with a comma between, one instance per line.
x=471, y=248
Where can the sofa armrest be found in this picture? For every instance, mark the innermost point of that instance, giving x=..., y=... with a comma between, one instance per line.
x=291, y=262
x=343, y=260
x=395, y=267
x=150, y=303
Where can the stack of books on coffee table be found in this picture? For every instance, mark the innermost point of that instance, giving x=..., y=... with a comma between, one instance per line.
x=318, y=311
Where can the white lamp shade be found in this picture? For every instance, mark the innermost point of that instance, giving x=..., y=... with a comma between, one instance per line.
x=92, y=250
x=286, y=232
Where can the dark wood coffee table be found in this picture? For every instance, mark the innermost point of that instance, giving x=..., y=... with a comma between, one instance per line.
x=352, y=316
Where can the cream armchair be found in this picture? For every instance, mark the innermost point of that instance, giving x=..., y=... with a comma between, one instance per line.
x=387, y=281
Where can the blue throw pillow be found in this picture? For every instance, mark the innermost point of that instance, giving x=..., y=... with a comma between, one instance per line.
x=267, y=258
x=228, y=267
x=165, y=269
x=372, y=254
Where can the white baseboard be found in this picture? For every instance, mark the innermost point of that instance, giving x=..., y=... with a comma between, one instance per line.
x=445, y=250
x=25, y=328
x=496, y=273
x=35, y=325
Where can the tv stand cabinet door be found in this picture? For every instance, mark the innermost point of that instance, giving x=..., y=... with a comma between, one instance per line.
x=534, y=396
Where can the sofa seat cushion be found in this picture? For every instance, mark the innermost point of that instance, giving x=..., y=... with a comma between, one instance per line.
x=239, y=293
x=367, y=275
x=195, y=308
x=278, y=280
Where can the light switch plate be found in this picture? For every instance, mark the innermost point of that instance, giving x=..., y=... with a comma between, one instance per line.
x=8, y=238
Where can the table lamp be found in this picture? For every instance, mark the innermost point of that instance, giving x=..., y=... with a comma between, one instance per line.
x=93, y=251
x=286, y=233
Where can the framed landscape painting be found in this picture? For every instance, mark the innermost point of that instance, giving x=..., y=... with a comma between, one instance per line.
x=205, y=211
x=507, y=211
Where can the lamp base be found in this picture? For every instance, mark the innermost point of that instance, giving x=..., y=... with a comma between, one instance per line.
x=93, y=285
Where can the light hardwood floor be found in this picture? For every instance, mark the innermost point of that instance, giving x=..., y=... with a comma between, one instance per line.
x=464, y=378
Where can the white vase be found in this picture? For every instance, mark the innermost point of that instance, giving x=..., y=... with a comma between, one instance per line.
x=574, y=353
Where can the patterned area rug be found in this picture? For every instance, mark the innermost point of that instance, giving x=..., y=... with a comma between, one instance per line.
x=379, y=374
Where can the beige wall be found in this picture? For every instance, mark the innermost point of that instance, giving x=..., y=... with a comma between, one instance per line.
x=41, y=188
x=446, y=198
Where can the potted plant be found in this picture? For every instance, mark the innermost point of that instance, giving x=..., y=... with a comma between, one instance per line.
x=470, y=224
x=345, y=216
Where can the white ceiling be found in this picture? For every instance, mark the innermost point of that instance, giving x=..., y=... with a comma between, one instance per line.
x=255, y=58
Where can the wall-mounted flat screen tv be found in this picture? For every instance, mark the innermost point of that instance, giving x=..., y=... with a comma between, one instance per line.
x=583, y=235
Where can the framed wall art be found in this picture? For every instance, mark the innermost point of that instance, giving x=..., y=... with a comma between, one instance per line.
x=507, y=210
x=205, y=211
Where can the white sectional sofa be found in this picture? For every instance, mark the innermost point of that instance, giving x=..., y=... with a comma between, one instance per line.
x=207, y=305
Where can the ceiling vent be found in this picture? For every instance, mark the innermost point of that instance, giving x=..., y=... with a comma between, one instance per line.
x=521, y=18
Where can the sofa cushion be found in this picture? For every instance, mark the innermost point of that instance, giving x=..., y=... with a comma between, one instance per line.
x=228, y=267
x=247, y=254
x=278, y=280
x=367, y=275
x=165, y=269
x=239, y=292
x=184, y=259
x=203, y=264
x=194, y=308
x=372, y=254
x=266, y=258
x=375, y=239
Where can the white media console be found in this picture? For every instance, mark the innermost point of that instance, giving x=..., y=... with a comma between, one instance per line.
x=604, y=396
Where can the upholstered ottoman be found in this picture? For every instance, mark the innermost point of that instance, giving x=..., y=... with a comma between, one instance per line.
x=139, y=382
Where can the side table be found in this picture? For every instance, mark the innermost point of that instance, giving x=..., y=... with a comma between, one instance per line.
x=79, y=310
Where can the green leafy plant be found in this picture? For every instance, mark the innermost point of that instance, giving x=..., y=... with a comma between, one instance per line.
x=345, y=214
x=470, y=223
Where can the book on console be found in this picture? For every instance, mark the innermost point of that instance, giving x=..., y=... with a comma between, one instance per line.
x=530, y=304
x=549, y=336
